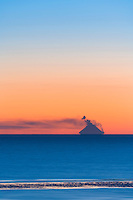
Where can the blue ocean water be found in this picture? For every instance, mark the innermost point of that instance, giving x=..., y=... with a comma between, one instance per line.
x=45, y=157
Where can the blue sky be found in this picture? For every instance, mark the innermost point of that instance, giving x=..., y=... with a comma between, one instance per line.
x=66, y=22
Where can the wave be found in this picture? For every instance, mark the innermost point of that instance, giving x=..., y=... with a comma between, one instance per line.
x=68, y=184
x=59, y=180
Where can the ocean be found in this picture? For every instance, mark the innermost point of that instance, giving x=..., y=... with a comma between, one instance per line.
x=29, y=158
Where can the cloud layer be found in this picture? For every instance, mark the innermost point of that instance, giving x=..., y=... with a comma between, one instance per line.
x=68, y=123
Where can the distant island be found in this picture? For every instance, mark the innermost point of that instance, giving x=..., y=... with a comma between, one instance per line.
x=92, y=128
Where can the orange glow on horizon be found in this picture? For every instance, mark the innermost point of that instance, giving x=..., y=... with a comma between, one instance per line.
x=109, y=105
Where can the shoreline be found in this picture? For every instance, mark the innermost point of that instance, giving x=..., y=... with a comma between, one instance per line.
x=65, y=185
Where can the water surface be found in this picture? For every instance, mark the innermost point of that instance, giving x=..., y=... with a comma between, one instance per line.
x=41, y=157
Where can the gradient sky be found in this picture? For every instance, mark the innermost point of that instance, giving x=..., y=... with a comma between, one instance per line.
x=62, y=59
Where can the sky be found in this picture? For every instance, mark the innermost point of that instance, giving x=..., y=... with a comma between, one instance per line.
x=60, y=60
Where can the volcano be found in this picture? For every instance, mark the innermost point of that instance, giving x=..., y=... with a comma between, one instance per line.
x=92, y=128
